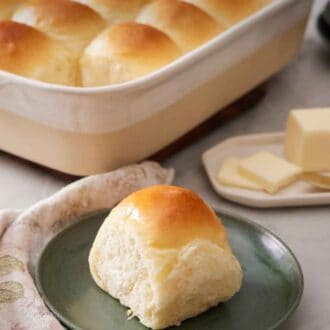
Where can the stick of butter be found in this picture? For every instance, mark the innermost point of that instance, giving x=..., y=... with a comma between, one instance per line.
x=229, y=176
x=269, y=171
x=307, y=141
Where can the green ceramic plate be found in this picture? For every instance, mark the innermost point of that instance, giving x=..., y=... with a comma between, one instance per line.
x=271, y=290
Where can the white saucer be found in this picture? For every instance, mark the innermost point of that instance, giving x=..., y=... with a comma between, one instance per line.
x=297, y=194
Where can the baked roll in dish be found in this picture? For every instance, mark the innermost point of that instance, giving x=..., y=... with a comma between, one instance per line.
x=30, y=53
x=164, y=253
x=7, y=7
x=116, y=11
x=186, y=24
x=72, y=23
x=126, y=51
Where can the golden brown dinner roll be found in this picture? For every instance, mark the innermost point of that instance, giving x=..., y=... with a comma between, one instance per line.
x=70, y=22
x=30, y=53
x=186, y=24
x=126, y=51
x=229, y=12
x=164, y=253
x=115, y=11
x=7, y=7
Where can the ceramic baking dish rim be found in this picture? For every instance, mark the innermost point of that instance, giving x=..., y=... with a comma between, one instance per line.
x=162, y=74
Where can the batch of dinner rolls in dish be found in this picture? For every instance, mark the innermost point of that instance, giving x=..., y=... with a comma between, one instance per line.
x=101, y=42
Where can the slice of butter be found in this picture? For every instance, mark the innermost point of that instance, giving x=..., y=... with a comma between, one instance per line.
x=307, y=141
x=229, y=176
x=269, y=171
x=320, y=180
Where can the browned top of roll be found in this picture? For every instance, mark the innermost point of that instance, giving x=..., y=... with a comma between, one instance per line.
x=129, y=38
x=185, y=23
x=170, y=217
x=16, y=46
x=30, y=53
x=70, y=22
x=126, y=51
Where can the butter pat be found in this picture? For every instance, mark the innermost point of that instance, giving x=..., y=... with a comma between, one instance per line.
x=229, y=175
x=269, y=171
x=307, y=141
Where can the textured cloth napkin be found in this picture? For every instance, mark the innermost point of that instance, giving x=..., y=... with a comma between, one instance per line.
x=23, y=234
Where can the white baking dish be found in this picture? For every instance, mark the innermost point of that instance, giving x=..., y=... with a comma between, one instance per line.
x=88, y=130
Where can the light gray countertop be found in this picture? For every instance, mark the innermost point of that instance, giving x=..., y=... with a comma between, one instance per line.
x=305, y=83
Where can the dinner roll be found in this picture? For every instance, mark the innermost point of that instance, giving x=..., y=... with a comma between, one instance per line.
x=126, y=51
x=115, y=11
x=7, y=7
x=70, y=22
x=186, y=24
x=27, y=52
x=229, y=12
x=164, y=253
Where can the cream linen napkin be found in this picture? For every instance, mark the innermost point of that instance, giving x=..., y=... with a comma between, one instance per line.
x=24, y=234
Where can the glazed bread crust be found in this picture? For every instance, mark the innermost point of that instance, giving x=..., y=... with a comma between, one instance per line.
x=170, y=217
x=186, y=24
x=125, y=51
x=70, y=22
x=163, y=253
x=115, y=41
x=30, y=53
